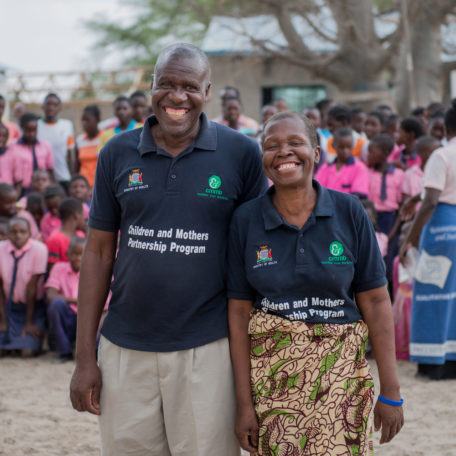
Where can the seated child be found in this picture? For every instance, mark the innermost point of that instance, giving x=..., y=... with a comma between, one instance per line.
x=62, y=293
x=35, y=206
x=382, y=238
x=22, y=266
x=40, y=182
x=346, y=173
x=385, y=191
x=72, y=220
x=53, y=196
x=9, y=208
x=79, y=188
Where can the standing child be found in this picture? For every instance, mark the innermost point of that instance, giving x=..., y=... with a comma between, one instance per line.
x=60, y=135
x=88, y=143
x=22, y=266
x=35, y=206
x=62, y=293
x=346, y=173
x=385, y=191
x=409, y=131
x=72, y=220
x=6, y=161
x=30, y=154
x=53, y=196
x=9, y=208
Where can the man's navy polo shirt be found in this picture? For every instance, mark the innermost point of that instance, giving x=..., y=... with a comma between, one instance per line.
x=309, y=274
x=173, y=213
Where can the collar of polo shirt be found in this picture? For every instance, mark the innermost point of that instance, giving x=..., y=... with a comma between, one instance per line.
x=206, y=139
x=350, y=161
x=323, y=208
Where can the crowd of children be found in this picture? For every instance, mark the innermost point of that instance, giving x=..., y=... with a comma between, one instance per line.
x=46, y=179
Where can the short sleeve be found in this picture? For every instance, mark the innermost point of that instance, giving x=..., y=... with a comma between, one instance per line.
x=105, y=209
x=55, y=249
x=360, y=184
x=369, y=268
x=322, y=174
x=255, y=182
x=237, y=283
x=435, y=172
x=40, y=258
x=407, y=185
x=54, y=280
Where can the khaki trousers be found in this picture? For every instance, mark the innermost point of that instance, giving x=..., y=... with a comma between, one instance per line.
x=167, y=404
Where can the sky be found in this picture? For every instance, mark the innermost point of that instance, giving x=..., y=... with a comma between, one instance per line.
x=48, y=35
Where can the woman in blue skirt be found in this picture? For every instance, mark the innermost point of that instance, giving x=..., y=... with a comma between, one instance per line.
x=433, y=332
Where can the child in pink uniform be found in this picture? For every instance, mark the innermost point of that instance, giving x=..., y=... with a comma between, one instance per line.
x=30, y=154
x=22, y=266
x=409, y=132
x=62, y=293
x=72, y=220
x=6, y=161
x=80, y=189
x=10, y=209
x=385, y=191
x=53, y=196
x=346, y=173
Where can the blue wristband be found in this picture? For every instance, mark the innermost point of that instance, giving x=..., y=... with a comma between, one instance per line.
x=385, y=400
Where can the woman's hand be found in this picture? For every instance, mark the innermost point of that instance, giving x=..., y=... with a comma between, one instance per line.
x=247, y=429
x=389, y=419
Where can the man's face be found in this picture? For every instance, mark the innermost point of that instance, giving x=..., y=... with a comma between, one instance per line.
x=231, y=111
x=122, y=110
x=179, y=93
x=51, y=108
x=139, y=106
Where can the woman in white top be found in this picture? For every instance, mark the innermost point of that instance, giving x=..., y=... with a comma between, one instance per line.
x=433, y=332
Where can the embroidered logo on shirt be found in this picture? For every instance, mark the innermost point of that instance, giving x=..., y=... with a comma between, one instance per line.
x=135, y=178
x=264, y=256
x=336, y=249
x=213, y=189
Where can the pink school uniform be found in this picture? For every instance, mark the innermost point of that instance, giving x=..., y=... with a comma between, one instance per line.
x=6, y=167
x=33, y=262
x=352, y=177
x=413, y=181
x=49, y=223
x=34, y=231
x=386, y=191
x=397, y=154
x=23, y=160
x=382, y=241
x=65, y=280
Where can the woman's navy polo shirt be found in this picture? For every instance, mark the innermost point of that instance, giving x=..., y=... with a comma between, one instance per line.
x=173, y=213
x=309, y=274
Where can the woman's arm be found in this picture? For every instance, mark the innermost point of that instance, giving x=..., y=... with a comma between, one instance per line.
x=30, y=299
x=375, y=306
x=246, y=421
x=431, y=199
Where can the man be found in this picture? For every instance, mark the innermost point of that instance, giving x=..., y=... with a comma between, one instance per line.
x=59, y=133
x=229, y=98
x=170, y=189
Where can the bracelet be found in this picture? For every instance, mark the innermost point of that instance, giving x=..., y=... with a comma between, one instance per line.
x=385, y=400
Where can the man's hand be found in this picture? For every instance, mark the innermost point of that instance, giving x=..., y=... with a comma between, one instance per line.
x=85, y=388
x=247, y=429
x=389, y=419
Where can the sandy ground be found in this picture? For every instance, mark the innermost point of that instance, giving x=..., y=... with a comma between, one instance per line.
x=36, y=417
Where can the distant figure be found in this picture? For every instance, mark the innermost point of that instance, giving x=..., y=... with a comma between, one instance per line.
x=244, y=124
x=88, y=143
x=358, y=120
x=59, y=133
x=281, y=105
x=409, y=131
x=140, y=106
x=53, y=196
x=437, y=128
x=13, y=130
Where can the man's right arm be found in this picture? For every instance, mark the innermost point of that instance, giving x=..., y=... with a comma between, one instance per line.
x=95, y=280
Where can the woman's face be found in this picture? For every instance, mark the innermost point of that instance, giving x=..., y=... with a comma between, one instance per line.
x=288, y=156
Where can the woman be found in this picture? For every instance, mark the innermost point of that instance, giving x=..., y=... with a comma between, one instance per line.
x=434, y=296
x=299, y=257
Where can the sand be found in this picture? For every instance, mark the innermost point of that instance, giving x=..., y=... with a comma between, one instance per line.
x=36, y=417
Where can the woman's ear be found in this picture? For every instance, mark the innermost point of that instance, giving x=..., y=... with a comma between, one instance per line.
x=317, y=154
